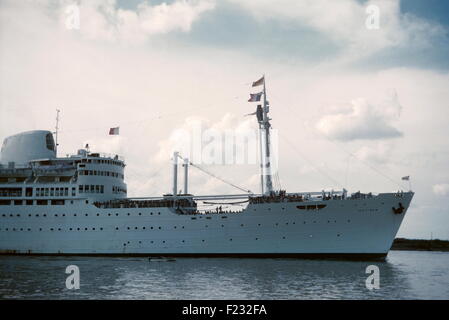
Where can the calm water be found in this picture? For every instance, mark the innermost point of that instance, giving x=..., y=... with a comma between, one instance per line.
x=404, y=275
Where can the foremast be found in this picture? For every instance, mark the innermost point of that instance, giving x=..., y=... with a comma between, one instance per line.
x=264, y=136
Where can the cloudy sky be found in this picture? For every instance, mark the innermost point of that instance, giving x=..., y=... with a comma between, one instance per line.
x=355, y=103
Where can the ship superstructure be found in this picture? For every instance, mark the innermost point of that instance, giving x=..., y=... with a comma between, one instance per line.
x=78, y=205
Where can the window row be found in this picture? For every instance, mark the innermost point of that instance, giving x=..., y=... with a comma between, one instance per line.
x=117, y=189
x=54, y=192
x=101, y=173
x=86, y=188
x=103, y=161
x=31, y=202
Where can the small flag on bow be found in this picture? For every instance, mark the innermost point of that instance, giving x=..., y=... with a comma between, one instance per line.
x=406, y=178
x=114, y=131
x=259, y=82
x=255, y=97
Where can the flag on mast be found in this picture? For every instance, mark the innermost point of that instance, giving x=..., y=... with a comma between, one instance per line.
x=255, y=97
x=406, y=178
x=114, y=131
x=259, y=82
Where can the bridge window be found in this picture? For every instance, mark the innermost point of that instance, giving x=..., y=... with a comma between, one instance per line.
x=50, y=142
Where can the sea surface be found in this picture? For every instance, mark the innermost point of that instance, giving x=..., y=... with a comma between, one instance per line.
x=403, y=275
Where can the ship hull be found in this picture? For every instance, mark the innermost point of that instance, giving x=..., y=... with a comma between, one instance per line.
x=363, y=228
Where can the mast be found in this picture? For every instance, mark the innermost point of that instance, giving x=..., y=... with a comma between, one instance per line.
x=265, y=155
x=56, y=132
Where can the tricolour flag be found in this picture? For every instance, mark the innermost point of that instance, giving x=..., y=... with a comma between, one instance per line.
x=406, y=178
x=255, y=97
x=114, y=131
x=259, y=82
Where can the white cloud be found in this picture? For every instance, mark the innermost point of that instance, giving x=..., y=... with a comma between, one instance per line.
x=363, y=120
x=441, y=189
x=381, y=153
x=104, y=20
x=344, y=22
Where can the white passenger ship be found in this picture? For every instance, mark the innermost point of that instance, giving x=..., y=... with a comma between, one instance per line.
x=78, y=205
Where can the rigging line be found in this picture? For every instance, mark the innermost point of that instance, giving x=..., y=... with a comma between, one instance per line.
x=350, y=153
x=310, y=162
x=156, y=117
x=279, y=180
x=218, y=178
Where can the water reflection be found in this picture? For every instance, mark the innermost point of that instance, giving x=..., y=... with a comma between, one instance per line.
x=404, y=275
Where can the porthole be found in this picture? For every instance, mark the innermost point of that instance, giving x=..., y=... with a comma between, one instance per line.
x=163, y=241
x=86, y=215
x=159, y=228
x=116, y=228
x=85, y=229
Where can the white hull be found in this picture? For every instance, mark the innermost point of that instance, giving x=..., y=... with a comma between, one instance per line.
x=351, y=226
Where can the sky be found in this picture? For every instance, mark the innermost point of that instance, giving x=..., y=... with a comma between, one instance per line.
x=358, y=90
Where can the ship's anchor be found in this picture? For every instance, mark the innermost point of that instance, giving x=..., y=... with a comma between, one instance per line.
x=398, y=210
